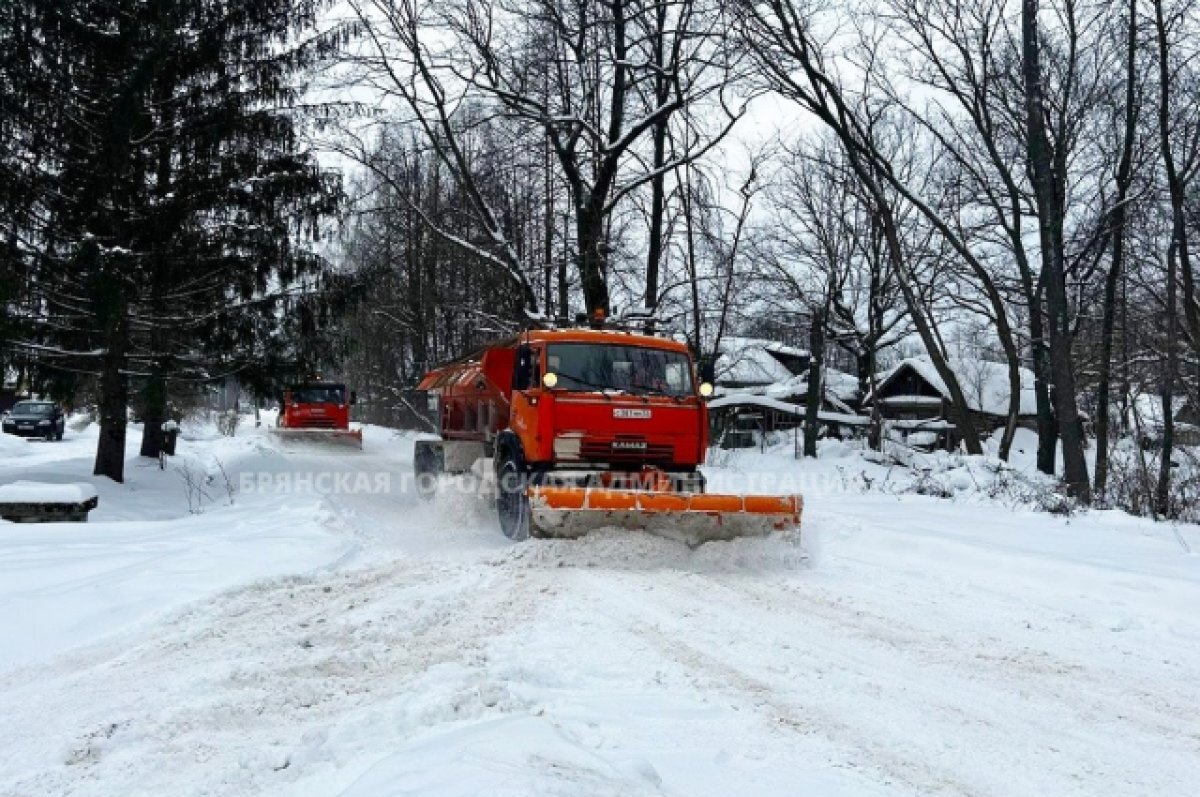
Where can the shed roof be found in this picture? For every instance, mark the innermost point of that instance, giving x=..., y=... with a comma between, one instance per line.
x=984, y=383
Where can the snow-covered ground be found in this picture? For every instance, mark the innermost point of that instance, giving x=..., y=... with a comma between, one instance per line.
x=316, y=630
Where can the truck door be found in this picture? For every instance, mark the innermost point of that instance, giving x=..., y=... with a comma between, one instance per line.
x=526, y=383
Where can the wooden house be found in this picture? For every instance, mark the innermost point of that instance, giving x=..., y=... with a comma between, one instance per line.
x=912, y=398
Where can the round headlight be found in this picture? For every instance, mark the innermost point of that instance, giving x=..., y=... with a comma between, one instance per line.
x=706, y=389
x=549, y=379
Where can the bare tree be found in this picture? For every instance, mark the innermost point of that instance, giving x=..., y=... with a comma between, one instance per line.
x=782, y=36
x=1048, y=167
x=591, y=80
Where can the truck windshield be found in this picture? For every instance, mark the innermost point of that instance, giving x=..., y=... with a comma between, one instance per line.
x=322, y=394
x=633, y=369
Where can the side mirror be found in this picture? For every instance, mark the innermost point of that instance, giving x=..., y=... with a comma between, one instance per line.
x=708, y=370
x=353, y=397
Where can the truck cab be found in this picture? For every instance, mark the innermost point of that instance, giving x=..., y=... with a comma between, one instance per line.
x=316, y=405
x=571, y=399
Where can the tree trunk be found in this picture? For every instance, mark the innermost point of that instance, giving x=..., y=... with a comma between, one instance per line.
x=816, y=342
x=564, y=307
x=1177, y=255
x=657, y=211
x=1162, y=492
x=552, y=311
x=1115, y=268
x=109, y=302
x=110, y=451
x=154, y=413
x=662, y=88
x=590, y=227
x=1047, y=427
x=1048, y=191
x=689, y=230
x=1014, y=387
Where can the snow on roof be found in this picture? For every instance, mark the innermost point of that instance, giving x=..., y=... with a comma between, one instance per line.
x=749, y=399
x=984, y=384
x=751, y=361
x=911, y=400
x=840, y=387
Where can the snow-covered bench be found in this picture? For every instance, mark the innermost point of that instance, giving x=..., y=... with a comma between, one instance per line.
x=38, y=502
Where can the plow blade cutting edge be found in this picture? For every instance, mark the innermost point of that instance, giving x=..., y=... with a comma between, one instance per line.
x=691, y=518
x=347, y=437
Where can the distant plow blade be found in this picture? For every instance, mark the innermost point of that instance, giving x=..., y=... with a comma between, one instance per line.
x=691, y=518
x=338, y=437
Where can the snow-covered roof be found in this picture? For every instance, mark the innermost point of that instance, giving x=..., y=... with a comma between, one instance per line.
x=749, y=399
x=840, y=388
x=984, y=384
x=911, y=400
x=752, y=361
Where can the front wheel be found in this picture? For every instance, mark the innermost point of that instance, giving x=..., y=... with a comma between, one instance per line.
x=428, y=464
x=512, y=502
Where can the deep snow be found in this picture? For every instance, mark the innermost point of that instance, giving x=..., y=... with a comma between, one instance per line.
x=361, y=643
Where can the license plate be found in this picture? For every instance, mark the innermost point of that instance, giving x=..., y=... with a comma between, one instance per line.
x=317, y=411
x=25, y=428
x=626, y=412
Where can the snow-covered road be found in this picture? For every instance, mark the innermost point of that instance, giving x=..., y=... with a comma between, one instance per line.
x=909, y=646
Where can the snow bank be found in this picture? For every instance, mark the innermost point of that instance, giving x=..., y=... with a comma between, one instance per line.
x=27, y=492
x=13, y=446
x=68, y=584
x=63, y=585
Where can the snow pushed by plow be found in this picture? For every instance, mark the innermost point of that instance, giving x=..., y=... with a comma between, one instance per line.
x=904, y=645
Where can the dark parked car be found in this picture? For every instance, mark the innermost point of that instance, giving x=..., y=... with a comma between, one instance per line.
x=36, y=419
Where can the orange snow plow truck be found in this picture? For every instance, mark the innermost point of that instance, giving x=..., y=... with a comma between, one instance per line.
x=317, y=411
x=588, y=428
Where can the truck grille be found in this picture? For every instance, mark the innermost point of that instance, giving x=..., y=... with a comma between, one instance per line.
x=605, y=451
x=314, y=423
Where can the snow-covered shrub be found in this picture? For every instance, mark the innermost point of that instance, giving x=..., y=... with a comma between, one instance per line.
x=926, y=483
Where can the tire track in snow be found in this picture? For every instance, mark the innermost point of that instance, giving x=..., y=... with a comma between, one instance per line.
x=247, y=683
x=715, y=674
x=860, y=689
x=1158, y=711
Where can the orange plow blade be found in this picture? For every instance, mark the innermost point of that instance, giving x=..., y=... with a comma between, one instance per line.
x=691, y=517
x=348, y=437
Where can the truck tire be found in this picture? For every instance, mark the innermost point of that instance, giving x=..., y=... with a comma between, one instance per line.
x=427, y=467
x=512, y=503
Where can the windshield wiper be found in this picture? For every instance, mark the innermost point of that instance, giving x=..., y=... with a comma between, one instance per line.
x=654, y=391
x=595, y=385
